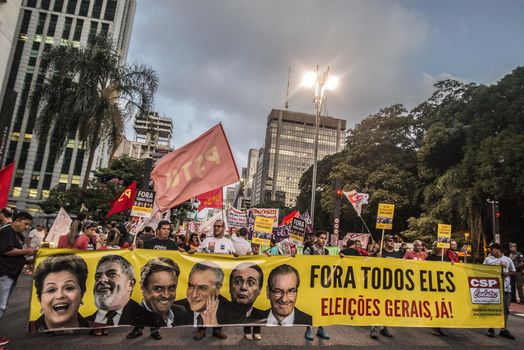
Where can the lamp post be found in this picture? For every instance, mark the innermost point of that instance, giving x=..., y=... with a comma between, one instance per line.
x=320, y=81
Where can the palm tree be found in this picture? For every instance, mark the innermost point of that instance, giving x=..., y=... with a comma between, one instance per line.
x=85, y=92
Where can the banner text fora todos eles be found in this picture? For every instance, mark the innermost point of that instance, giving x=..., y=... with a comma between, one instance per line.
x=323, y=290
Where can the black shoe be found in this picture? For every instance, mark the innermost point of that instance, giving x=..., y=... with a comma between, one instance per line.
x=385, y=333
x=491, y=333
x=506, y=334
x=135, y=333
x=156, y=336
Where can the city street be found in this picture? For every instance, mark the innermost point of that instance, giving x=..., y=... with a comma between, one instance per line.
x=13, y=325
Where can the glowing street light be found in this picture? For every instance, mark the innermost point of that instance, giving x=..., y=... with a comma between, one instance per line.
x=320, y=82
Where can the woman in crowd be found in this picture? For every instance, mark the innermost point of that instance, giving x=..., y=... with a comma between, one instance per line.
x=89, y=239
x=68, y=240
x=60, y=283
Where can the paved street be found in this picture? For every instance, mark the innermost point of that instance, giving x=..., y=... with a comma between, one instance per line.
x=14, y=323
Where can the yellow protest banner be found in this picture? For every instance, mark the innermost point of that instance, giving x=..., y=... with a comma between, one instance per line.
x=322, y=290
x=385, y=216
x=444, y=236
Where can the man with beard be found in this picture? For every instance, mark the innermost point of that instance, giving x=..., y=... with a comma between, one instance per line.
x=114, y=282
x=245, y=284
x=159, y=280
x=203, y=298
x=282, y=292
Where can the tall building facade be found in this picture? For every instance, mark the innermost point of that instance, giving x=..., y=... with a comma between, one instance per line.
x=9, y=11
x=289, y=150
x=41, y=25
x=152, y=138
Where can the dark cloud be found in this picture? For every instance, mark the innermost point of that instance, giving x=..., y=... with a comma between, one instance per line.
x=228, y=60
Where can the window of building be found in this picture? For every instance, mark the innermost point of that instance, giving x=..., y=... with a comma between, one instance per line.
x=31, y=3
x=17, y=191
x=52, y=25
x=78, y=29
x=68, y=154
x=92, y=30
x=44, y=5
x=97, y=9
x=45, y=194
x=84, y=8
x=32, y=192
x=63, y=178
x=109, y=15
x=67, y=28
x=40, y=24
x=71, y=7
x=58, y=6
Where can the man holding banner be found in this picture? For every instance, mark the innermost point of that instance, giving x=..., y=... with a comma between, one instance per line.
x=318, y=248
x=496, y=257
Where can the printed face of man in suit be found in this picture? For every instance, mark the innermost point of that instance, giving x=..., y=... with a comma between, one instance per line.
x=201, y=285
x=160, y=292
x=244, y=286
x=113, y=287
x=282, y=293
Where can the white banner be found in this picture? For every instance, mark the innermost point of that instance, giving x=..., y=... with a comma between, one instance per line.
x=237, y=217
x=61, y=226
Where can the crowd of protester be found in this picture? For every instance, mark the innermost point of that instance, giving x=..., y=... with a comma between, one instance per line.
x=19, y=243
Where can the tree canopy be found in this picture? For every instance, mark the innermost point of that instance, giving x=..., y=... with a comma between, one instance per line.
x=438, y=163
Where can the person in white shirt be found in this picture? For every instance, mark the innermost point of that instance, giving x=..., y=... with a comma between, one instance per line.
x=240, y=242
x=36, y=236
x=217, y=244
x=508, y=269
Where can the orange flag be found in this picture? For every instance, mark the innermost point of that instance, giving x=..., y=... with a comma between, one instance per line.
x=125, y=201
x=5, y=182
x=202, y=165
x=211, y=199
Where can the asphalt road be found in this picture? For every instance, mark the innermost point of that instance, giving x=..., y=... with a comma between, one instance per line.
x=14, y=322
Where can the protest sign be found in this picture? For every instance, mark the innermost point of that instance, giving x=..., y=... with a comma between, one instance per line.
x=236, y=217
x=385, y=216
x=361, y=237
x=298, y=231
x=143, y=204
x=353, y=291
x=444, y=236
x=264, y=227
x=257, y=236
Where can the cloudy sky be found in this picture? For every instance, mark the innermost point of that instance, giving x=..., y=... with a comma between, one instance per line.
x=228, y=60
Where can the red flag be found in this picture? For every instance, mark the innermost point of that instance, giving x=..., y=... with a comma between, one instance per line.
x=202, y=165
x=125, y=201
x=5, y=182
x=287, y=219
x=211, y=199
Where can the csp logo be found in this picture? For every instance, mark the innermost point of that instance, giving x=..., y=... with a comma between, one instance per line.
x=484, y=290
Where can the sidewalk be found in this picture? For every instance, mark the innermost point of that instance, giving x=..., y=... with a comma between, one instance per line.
x=516, y=308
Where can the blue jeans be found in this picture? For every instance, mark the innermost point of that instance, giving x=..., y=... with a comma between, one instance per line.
x=6, y=287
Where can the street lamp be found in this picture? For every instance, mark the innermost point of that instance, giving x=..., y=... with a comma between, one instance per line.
x=320, y=81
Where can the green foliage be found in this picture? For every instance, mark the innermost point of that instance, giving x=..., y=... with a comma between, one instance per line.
x=87, y=93
x=107, y=185
x=438, y=163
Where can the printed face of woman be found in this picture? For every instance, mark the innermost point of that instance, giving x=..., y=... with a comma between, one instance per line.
x=60, y=299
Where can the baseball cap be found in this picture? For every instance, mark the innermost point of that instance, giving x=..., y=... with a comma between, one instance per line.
x=495, y=246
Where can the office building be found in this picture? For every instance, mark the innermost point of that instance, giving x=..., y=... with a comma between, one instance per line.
x=9, y=11
x=288, y=152
x=41, y=25
x=152, y=138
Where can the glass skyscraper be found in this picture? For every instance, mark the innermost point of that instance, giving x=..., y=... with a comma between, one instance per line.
x=43, y=24
x=288, y=153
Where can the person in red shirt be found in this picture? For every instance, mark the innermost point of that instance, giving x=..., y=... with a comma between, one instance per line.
x=68, y=240
x=87, y=241
x=417, y=253
x=452, y=251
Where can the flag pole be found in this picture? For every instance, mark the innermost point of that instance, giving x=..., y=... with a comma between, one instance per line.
x=381, y=242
